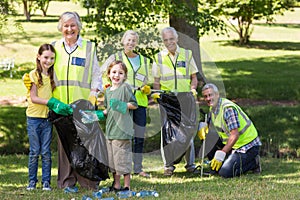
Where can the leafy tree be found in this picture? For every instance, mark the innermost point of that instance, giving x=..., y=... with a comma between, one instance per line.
x=43, y=5
x=6, y=9
x=241, y=13
x=110, y=17
x=30, y=6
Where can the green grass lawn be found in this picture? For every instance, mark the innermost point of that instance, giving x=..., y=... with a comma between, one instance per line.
x=279, y=180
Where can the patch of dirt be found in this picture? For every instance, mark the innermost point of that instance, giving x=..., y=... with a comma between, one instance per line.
x=265, y=102
x=13, y=101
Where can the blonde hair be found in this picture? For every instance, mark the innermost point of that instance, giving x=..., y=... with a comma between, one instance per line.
x=130, y=32
x=67, y=16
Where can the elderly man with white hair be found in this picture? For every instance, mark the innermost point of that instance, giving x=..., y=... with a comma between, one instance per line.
x=240, y=150
x=175, y=70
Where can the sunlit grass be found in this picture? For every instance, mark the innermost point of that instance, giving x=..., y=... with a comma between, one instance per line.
x=280, y=179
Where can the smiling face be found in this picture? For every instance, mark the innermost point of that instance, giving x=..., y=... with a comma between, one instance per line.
x=70, y=30
x=210, y=97
x=129, y=42
x=170, y=41
x=117, y=75
x=46, y=59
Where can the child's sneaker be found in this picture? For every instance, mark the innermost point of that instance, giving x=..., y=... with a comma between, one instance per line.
x=46, y=186
x=31, y=185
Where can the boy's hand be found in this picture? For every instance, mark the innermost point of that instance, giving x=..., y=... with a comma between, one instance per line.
x=118, y=105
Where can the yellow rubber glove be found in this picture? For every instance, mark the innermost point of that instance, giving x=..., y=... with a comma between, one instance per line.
x=155, y=96
x=146, y=89
x=93, y=98
x=218, y=159
x=203, y=130
x=194, y=92
x=27, y=81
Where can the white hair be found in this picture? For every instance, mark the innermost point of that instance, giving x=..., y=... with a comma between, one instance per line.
x=166, y=29
x=67, y=16
x=210, y=86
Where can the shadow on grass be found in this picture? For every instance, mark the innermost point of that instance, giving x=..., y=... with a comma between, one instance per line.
x=13, y=127
x=265, y=45
x=267, y=78
x=286, y=25
x=40, y=19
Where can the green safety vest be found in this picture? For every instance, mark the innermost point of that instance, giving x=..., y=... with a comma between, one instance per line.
x=73, y=72
x=246, y=130
x=175, y=77
x=138, y=78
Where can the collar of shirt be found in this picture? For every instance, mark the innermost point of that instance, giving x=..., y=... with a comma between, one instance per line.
x=217, y=108
x=70, y=49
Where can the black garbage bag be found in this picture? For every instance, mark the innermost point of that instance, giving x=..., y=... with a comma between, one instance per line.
x=178, y=120
x=84, y=144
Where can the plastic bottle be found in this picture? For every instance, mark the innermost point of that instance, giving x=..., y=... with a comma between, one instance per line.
x=145, y=193
x=88, y=117
x=104, y=190
x=108, y=198
x=125, y=194
x=99, y=193
x=84, y=197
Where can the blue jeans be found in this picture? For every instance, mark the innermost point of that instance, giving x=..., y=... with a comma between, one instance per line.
x=239, y=163
x=40, y=135
x=139, y=119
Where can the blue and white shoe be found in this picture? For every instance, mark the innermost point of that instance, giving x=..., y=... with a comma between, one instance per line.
x=46, y=186
x=31, y=185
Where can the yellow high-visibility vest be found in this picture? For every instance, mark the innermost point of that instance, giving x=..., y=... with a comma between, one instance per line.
x=246, y=130
x=175, y=77
x=73, y=72
x=138, y=78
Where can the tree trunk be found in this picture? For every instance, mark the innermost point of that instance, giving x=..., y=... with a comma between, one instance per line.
x=188, y=39
x=26, y=11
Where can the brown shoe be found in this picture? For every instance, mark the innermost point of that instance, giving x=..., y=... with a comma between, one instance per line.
x=143, y=174
x=258, y=169
x=168, y=172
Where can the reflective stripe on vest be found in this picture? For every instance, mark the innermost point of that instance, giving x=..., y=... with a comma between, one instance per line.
x=169, y=75
x=72, y=72
x=133, y=77
x=247, y=131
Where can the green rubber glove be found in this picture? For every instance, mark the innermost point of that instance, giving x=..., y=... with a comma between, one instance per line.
x=100, y=115
x=218, y=159
x=118, y=105
x=89, y=116
x=59, y=107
